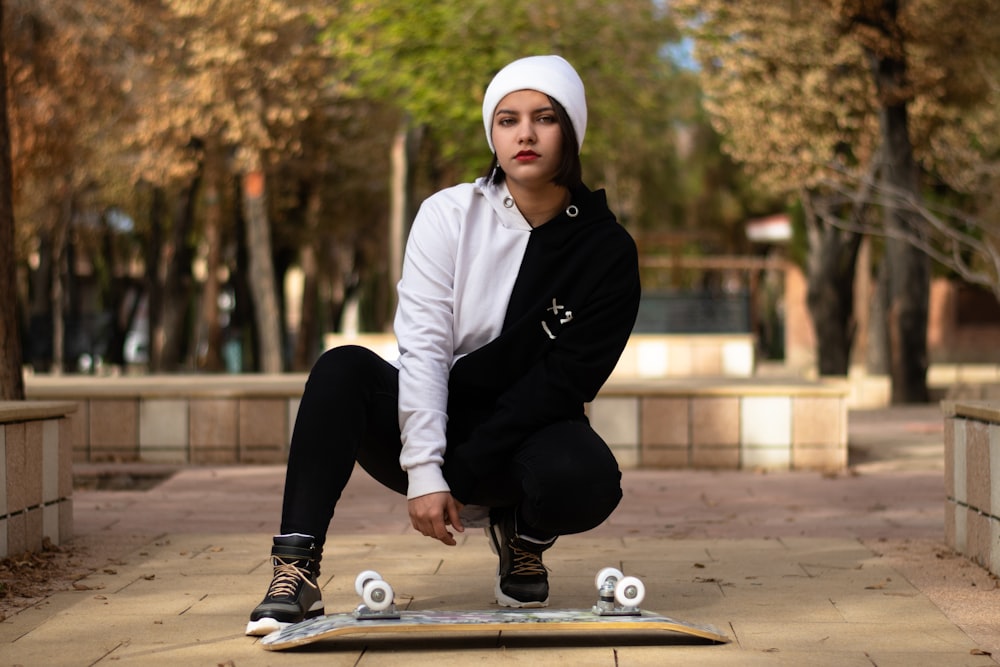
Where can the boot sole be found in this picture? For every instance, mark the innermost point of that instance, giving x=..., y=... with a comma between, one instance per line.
x=267, y=625
x=264, y=626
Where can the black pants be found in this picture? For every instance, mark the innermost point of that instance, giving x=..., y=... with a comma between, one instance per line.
x=563, y=479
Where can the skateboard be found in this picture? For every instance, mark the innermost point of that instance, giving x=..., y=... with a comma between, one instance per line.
x=616, y=611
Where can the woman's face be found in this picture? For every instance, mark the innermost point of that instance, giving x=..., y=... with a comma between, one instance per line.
x=527, y=137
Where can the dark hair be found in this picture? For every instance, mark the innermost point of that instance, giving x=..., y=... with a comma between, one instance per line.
x=570, y=171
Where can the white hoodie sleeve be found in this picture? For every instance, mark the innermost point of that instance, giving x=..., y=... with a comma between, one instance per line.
x=424, y=327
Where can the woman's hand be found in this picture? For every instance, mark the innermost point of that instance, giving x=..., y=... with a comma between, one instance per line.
x=431, y=514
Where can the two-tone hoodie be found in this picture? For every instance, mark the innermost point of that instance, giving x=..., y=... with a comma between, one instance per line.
x=504, y=328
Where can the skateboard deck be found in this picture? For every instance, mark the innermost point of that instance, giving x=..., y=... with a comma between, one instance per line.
x=553, y=621
x=617, y=611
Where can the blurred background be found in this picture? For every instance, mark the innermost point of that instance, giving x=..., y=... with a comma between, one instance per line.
x=218, y=186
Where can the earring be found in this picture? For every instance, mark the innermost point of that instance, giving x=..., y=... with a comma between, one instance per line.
x=495, y=172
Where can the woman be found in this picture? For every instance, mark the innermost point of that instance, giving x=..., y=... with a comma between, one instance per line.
x=518, y=294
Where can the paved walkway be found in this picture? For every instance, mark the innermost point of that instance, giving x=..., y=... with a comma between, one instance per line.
x=796, y=568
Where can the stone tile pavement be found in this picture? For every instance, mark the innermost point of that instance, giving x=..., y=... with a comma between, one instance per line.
x=796, y=568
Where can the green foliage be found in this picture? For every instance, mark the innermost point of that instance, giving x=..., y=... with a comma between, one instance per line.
x=434, y=60
x=314, y=92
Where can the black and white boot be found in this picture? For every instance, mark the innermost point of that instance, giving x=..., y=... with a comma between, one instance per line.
x=294, y=593
x=522, y=578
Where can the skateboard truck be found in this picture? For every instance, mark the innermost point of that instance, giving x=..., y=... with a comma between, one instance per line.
x=618, y=595
x=378, y=598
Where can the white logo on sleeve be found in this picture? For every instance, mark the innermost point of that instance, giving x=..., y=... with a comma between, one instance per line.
x=560, y=316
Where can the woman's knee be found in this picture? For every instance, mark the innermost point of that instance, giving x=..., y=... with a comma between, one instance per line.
x=353, y=370
x=573, y=508
x=349, y=361
x=572, y=483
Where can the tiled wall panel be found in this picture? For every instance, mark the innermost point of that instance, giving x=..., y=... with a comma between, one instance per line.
x=972, y=478
x=36, y=458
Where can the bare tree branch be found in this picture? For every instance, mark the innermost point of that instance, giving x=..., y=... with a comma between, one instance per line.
x=950, y=237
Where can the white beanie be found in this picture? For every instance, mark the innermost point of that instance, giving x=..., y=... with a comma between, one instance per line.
x=551, y=75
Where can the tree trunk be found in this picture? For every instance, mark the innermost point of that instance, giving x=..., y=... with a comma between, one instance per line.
x=399, y=165
x=261, y=273
x=402, y=160
x=211, y=358
x=115, y=290
x=877, y=350
x=832, y=260
x=172, y=337
x=154, y=287
x=307, y=342
x=60, y=284
x=11, y=376
x=909, y=268
x=38, y=343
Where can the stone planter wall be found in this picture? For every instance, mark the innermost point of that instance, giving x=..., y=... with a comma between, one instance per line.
x=972, y=480
x=723, y=423
x=36, y=475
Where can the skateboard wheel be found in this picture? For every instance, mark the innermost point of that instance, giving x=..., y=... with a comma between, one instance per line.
x=606, y=573
x=363, y=578
x=377, y=595
x=630, y=592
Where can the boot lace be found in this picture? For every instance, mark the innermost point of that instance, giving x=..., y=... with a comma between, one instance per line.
x=525, y=562
x=286, y=579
